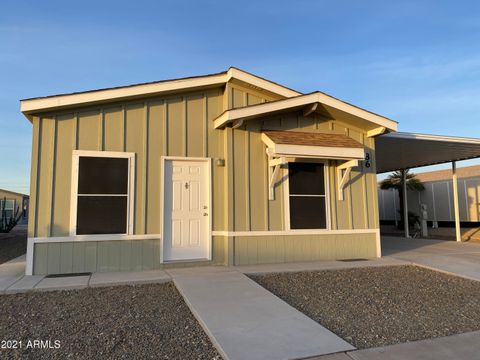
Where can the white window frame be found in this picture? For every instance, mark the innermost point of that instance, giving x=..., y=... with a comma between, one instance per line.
x=74, y=186
x=286, y=193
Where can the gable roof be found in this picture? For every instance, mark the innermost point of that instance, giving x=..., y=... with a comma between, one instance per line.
x=12, y=192
x=330, y=103
x=38, y=104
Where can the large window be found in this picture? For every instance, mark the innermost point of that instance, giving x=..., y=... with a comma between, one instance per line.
x=103, y=196
x=307, y=200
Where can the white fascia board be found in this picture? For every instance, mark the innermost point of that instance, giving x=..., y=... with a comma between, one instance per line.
x=261, y=83
x=429, y=137
x=325, y=152
x=255, y=110
x=40, y=104
x=298, y=101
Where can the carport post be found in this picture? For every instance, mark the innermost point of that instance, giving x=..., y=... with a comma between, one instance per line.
x=405, y=203
x=455, y=202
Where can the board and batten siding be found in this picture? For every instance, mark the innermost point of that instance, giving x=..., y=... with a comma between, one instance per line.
x=114, y=255
x=178, y=126
x=248, y=177
x=252, y=250
x=182, y=125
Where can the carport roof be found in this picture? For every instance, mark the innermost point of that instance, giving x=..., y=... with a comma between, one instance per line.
x=401, y=150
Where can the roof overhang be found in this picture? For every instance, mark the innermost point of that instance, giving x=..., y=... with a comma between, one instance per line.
x=336, y=108
x=29, y=106
x=401, y=150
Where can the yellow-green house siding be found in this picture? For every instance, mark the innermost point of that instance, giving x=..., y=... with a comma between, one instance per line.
x=181, y=125
x=252, y=211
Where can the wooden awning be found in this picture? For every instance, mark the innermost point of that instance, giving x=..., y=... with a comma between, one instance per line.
x=288, y=146
x=313, y=145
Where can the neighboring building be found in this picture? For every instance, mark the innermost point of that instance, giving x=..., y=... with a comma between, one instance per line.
x=223, y=169
x=14, y=200
x=438, y=197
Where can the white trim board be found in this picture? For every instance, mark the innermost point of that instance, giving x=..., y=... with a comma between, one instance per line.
x=87, y=238
x=294, y=232
x=299, y=101
x=28, y=106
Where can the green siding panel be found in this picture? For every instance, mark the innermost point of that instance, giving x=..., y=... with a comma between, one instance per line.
x=297, y=248
x=41, y=258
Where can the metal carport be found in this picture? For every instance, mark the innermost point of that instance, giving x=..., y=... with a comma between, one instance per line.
x=401, y=151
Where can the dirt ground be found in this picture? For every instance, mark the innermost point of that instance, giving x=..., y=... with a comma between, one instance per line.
x=123, y=322
x=13, y=244
x=371, y=307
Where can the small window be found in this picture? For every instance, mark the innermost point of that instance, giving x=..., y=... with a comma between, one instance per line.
x=102, y=195
x=307, y=198
x=9, y=208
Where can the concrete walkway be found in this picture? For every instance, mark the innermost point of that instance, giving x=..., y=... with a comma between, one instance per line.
x=11, y=271
x=13, y=279
x=247, y=322
x=459, y=347
x=459, y=258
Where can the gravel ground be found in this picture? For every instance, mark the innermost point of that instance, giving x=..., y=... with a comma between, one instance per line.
x=371, y=307
x=13, y=244
x=123, y=322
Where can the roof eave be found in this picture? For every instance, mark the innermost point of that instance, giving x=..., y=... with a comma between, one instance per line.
x=249, y=112
x=35, y=105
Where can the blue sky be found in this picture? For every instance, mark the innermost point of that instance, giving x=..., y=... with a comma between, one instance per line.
x=417, y=62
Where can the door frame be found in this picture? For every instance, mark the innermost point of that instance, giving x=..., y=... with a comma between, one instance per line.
x=163, y=160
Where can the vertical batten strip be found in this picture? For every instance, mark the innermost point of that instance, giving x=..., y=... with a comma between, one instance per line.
x=102, y=129
x=75, y=116
x=205, y=124
x=146, y=132
x=165, y=128
x=33, y=208
x=247, y=179
x=124, y=132
x=54, y=165
x=265, y=187
x=185, y=126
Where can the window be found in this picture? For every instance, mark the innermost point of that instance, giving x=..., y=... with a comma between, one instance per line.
x=103, y=193
x=9, y=208
x=307, y=200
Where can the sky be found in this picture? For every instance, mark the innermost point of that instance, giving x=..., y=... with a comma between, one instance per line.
x=417, y=62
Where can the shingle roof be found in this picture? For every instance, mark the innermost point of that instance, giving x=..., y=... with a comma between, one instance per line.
x=312, y=139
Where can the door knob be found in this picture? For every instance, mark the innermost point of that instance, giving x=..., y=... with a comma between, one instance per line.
x=205, y=214
x=186, y=185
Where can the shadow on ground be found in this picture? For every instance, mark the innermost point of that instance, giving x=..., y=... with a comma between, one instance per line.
x=13, y=244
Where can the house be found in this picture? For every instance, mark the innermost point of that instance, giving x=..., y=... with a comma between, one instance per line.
x=13, y=201
x=224, y=169
x=437, y=197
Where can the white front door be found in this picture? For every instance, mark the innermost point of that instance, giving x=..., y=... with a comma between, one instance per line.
x=186, y=210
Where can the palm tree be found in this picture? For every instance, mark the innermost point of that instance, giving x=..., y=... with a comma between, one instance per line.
x=395, y=181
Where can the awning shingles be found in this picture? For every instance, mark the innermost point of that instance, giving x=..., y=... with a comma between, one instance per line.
x=294, y=144
x=312, y=139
